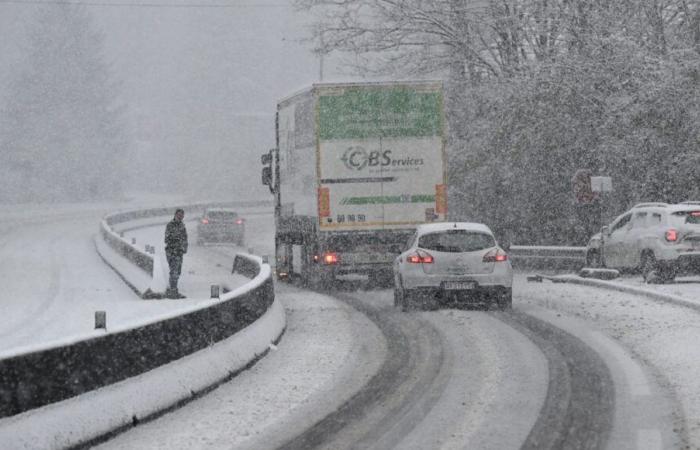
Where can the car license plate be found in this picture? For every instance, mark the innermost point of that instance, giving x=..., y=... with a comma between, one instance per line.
x=458, y=285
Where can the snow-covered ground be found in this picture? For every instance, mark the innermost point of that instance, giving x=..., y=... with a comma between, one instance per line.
x=661, y=336
x=202, y=267
x=687, y=287
x=53, y=279
x=328, y=352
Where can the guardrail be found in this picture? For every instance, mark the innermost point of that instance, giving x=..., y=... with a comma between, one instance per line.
x=547, y=257
x=40, y=377
x=154, y=283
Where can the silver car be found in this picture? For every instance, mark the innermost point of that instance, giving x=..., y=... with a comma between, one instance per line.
x=456, y=261
x=221, y=225
x=660, y=240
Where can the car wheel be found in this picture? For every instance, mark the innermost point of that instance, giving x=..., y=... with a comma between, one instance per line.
x=667, y=274
x=650, y=269
x=505, y=300
x=593, y=259
x=406, y=301
x=398, y=297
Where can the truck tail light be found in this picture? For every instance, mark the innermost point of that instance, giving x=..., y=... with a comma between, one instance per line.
x=205, y=221
x=420, y=258
x=671, y=235
x=495, y=255
x=441, y=199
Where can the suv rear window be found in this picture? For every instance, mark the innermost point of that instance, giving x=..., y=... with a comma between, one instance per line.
x=691, y=217
x=456, y=241
x=221, y=215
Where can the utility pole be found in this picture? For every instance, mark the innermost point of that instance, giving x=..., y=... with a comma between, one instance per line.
x=320, y=60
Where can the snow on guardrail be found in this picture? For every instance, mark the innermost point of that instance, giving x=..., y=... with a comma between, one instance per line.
x=547, y=257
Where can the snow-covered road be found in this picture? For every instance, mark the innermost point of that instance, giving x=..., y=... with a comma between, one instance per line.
x=485, y=379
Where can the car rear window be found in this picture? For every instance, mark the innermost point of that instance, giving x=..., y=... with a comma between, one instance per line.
x=221, y=215
x=691, y=217
x=456, y=241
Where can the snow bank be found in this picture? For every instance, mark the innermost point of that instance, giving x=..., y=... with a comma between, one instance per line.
x=84, y=418
x=101, y=367
x=619, y=287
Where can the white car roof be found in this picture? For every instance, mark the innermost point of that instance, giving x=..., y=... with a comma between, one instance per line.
x=443, y=226
x=664, y=207
x=220, y=209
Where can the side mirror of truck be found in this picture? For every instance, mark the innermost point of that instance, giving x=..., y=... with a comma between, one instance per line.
x=267, y=176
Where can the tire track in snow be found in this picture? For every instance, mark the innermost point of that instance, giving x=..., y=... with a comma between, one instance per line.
x=579, y=408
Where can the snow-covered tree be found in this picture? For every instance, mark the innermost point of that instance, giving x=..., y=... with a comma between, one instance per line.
x=537, y=89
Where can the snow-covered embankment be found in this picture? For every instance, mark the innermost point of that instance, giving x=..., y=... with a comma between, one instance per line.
x=54, y=397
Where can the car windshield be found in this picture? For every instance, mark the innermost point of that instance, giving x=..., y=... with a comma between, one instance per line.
x=220, y=216
x=456, y=241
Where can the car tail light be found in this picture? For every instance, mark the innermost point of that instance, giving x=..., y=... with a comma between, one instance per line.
x=205, y=221
x=671, y=235
x=420, y=258
x=495, y=255
x=328, y=258
x=695, y=213
x=239, y=221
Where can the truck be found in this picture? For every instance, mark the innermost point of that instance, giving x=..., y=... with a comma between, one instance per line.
x=356, y=167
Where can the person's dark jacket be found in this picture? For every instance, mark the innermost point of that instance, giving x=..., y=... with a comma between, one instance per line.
x=175, y=238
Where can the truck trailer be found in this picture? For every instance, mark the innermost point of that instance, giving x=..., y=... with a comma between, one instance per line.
x=356, y=167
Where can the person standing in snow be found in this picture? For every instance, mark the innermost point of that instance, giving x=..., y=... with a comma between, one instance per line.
x=175, y=249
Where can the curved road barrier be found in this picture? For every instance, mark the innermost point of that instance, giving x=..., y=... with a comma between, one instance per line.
x=547, y=257
x=246, y=319
x=145, y=277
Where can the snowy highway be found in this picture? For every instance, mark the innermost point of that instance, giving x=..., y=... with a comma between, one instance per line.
x=571, y=366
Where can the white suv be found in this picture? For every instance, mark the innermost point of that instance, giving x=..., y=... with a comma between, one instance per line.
x=659, y=239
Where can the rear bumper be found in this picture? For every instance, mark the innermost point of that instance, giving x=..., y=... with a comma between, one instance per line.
x=502, y=276
x=360, y=269
x=477, y=295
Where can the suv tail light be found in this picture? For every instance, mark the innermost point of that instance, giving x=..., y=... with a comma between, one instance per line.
x=420, y=258
x=205, y=221
x=328, y=258
x=239, y=221
x=495, y=255
x=671, y=235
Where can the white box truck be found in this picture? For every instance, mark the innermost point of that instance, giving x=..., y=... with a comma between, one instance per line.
x=356, y=167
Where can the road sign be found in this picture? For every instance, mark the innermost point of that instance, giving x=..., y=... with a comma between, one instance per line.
x=581, y=184
x=601, y=184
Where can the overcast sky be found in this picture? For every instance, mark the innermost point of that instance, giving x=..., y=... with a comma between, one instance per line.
x=200, y=81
